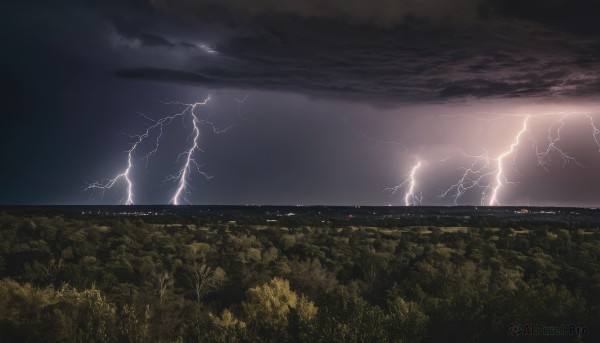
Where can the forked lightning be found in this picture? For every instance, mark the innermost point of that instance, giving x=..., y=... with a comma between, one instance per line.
x=410, y=198
x=489, y=174
x=183, y=176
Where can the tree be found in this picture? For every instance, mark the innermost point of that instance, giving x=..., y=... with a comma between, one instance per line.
x=163, y=281
x=28, y=313
x=134, y=325
x=205, y=279
x=227, y=327
x=407, y=321
x=269, y=304
x=268, y=309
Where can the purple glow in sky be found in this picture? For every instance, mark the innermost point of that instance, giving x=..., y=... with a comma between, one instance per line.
x=494, y=100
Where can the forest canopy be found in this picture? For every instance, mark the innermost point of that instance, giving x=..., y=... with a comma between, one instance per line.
x=67, y=278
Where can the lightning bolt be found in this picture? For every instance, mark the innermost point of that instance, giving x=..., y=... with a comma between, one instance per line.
x=410, y=199
x=361, y=135
x=183, y=176
x=595, y=131
x=240, y=102
x=123, y=175
x=138, y=139
x=543, y=156
x=473, y=176
x=500, y=168
x=489, y=173
x=156, y=130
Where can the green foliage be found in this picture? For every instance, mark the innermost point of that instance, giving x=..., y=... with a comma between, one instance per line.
x=406, y=321
x=28, y=313
x=270, y=304
x=134, y=324
x=101, y=279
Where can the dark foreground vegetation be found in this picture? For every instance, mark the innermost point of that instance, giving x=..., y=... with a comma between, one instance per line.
x=126, y=278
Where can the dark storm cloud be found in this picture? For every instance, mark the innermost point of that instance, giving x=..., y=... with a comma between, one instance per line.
x=378, y=12
x=379, y=51
x=384, y=51
x=576, y=16
x=570, y=15
x=145, y=39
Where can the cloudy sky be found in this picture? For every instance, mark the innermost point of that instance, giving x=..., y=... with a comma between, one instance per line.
x=496, y=99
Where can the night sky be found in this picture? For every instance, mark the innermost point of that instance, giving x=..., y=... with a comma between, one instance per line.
x=342, y=100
